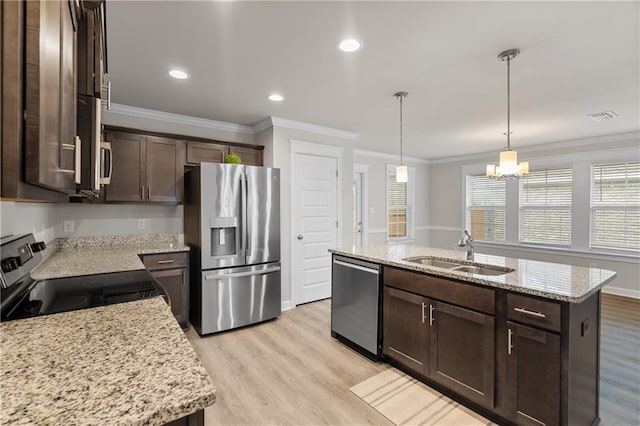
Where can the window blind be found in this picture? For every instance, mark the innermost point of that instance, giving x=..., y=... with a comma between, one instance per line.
x=615, y=206
x=485, y=208
x=545, y=207
x=396, y=207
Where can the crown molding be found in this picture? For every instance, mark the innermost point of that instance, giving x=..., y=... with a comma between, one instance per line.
x=532, y=149
x=151, y=114
x=386, y=156
x=305, y=127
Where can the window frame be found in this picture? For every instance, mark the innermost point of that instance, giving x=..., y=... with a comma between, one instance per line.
x=581, y=163
x=411, y=171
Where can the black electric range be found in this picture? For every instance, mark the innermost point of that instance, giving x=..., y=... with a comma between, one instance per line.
x=23, y=297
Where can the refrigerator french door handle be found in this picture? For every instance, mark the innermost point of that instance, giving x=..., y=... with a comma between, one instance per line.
x=243, y=215
x=242, y=274
x=246, y=210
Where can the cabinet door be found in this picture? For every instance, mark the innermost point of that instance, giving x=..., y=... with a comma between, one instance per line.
x=533, y=375
x=174, y=282
x=128, y=174
x=405, y=329
x=48, y=46
x=68, y=115
x=201, y=152
x=461, y=353
x=248, y=156
x=164, y=170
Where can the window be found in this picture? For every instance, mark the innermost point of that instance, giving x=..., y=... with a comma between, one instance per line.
x=545, y=207
x=485, y=208
x=615, y=206
x=399, y=204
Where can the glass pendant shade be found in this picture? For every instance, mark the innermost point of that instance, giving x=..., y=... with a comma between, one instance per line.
x=402, y=174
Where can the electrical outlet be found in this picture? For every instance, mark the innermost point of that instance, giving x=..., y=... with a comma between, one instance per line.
x=141, y=224
x=68, y=226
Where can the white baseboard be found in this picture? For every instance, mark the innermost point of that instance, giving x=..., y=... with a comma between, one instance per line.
x=286, y=305
x=619, y=291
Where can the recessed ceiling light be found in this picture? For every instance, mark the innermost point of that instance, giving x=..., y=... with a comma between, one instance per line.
x=349, y=45
x=276, y=97
x=179, y=74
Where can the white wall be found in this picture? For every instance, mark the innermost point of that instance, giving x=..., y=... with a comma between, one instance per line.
x=376, y=212
x=23, y=218
x=46, y=220
x=447, y=208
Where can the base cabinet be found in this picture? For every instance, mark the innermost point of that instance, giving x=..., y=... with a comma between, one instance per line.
x=515, y=358
x=449, y=344
x=533, y=375
x=461, y=354
x=172, y=271
x=405, y=336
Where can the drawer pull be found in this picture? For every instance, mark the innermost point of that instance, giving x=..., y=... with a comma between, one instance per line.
x=162, y=262
x=431, y=315
x=528, y=312
x=423, y=315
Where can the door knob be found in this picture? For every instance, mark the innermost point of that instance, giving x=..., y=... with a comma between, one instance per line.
x=300, y=236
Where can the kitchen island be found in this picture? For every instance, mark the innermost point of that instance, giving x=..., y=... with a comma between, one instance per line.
x=122, y=364
x=517, y=340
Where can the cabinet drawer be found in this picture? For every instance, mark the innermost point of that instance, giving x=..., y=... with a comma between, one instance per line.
x=529, y=310
x=154, y=262
x=457, y=293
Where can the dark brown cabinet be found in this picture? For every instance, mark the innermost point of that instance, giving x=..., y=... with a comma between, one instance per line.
x=202, y=152
x=533, y=375
x=92, y=56
x=50, y=95
x=145, y=168
x=248, y=156
x=172, y=271
x=449, y=344
x=405, y=334
x=461, y=351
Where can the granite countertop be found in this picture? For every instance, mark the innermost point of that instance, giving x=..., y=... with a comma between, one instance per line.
x=70, y=257
x=128, y=363
x=568, y=283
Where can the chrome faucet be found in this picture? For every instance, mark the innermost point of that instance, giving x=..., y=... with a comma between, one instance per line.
x=467, y=241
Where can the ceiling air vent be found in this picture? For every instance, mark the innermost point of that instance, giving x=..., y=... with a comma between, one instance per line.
x=602, y=116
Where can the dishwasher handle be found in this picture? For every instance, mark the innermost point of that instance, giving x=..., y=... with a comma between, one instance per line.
x=358, y=267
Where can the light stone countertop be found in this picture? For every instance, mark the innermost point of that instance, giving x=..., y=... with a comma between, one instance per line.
x=71, y=257
x=128, y=363
x=568, y=283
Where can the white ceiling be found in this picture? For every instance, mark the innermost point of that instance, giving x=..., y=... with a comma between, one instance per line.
x=576, y=58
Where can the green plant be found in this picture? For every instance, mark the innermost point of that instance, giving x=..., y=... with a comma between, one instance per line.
x=233, y=159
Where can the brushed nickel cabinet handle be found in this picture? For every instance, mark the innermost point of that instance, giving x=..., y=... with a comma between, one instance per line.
x=423, y=315
x=528, y=312
x=142, y=192
x=431, y=309
x=509, y=342
x=78, y=160
x=148, y=192
x=162, y=262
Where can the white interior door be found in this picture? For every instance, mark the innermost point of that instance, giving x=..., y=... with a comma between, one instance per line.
x=315, y=225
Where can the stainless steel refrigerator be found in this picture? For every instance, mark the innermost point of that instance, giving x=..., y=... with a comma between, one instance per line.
x=232, y=223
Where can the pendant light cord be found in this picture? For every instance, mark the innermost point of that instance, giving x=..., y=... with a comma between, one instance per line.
x=508, y=104
x=401, y=162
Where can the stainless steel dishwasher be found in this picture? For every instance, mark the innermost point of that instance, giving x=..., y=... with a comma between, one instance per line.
x=355, y=304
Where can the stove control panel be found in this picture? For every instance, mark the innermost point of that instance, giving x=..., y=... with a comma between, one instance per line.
x=18, y=256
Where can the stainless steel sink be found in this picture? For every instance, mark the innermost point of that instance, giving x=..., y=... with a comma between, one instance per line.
x=483, y=270
x=437, y=263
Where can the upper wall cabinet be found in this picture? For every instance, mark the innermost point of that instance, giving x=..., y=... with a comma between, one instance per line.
x=50, y=95
x=145, y=168
x=205, y=152
x=92, y=50
x=41, y=155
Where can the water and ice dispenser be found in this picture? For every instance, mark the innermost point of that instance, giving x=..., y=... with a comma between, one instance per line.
x=224, y=236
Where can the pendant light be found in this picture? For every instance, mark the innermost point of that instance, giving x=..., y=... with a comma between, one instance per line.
x=402, y=174
x=508, y=167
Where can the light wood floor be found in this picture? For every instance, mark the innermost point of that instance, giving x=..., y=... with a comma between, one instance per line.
x=290, y=371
